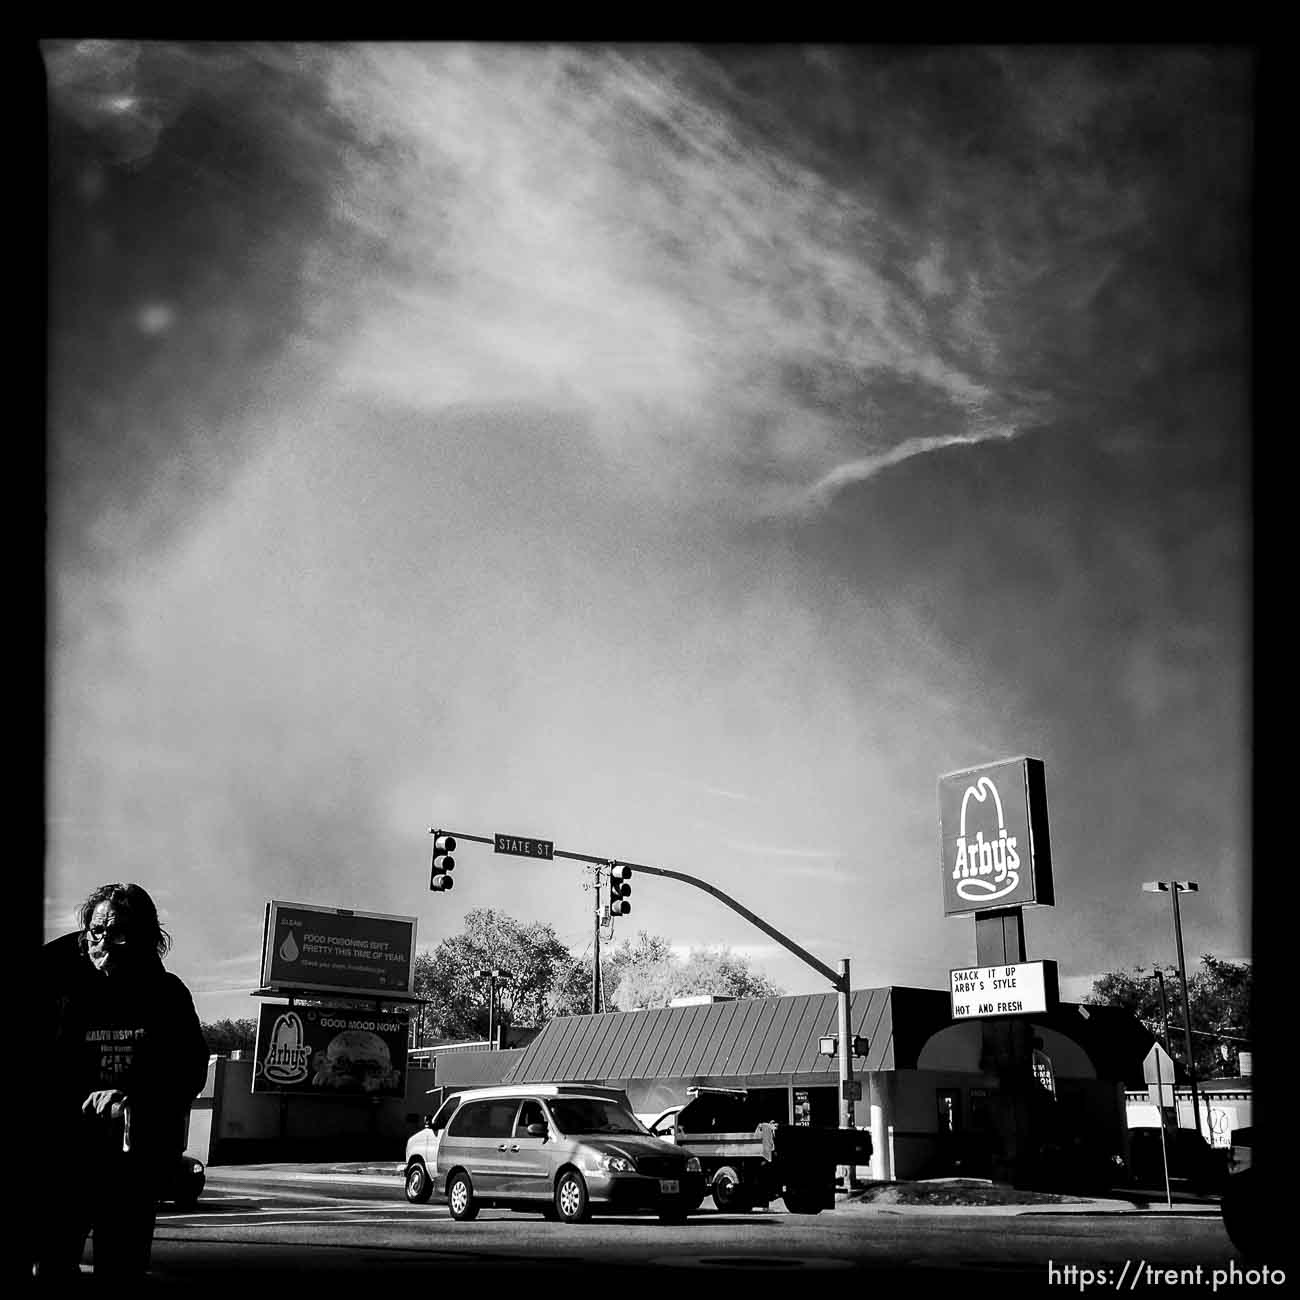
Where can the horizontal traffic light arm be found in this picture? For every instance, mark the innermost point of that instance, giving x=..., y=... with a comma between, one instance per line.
x=836, y=979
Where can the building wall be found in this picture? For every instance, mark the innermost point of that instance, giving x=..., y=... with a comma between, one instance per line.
x=231, y=1124
x=913, y=1118
x=1087, y=1109
x=1221, y=1112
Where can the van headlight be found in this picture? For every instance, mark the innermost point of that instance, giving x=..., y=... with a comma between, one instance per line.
x=692, y=1164
x=610, y=1164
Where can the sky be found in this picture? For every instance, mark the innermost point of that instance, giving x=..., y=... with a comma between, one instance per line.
x=683, y=454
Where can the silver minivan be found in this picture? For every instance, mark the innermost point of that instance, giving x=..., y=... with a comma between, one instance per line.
x=564, y=1150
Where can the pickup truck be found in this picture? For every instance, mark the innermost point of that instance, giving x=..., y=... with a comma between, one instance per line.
x=749, y=1158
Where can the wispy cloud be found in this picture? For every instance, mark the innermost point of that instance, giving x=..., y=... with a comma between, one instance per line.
x=616, y=231
x=866, y=467
x=795, y=861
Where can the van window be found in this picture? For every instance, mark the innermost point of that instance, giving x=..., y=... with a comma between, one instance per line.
x=445, y=1112
x=491, y=1118
x=593, y=1115
x=529, y=1113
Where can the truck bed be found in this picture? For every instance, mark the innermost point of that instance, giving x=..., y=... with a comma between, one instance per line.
x=783, y=1141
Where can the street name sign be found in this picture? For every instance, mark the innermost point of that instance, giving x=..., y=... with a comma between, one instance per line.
x=520, y=847
x=1024, y=989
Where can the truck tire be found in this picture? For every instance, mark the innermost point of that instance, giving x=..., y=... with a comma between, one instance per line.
x=728, y=1194
x=802, y=1201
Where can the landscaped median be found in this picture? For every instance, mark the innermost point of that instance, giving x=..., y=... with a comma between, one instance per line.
x=955, y=1194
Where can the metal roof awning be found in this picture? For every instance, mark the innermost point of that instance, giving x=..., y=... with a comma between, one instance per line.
x=748, y=1038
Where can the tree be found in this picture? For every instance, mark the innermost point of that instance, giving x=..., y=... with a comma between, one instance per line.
x=652, y=976
x=1222, y=1000
x=533, y=961
x=573, y=991
x=571, y=994
x=545, y=979
x=1219, y=994
x=226, y=1036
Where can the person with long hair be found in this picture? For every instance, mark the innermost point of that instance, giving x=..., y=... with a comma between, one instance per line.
x=128, y=1058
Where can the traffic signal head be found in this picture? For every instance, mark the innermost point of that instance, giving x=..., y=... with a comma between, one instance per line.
x=443, y=862
x=861, y=1045
x=620, y=889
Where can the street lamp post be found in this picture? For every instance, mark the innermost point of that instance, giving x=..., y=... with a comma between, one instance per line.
x=1173, y=888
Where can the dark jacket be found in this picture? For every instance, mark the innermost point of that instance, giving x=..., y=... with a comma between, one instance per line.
x=135, y=1031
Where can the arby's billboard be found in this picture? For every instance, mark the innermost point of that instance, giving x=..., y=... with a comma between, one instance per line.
x=993, y=827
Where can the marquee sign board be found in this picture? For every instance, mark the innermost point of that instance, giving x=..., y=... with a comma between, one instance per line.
x=334, y=950
x=993, y=828
x=1024, y=989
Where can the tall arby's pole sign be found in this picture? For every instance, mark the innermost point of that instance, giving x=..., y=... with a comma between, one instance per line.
x=993, y=825
x=996, y=861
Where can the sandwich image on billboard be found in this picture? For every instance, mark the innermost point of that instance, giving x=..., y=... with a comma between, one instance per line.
x=993, y=828
x=328, y=1052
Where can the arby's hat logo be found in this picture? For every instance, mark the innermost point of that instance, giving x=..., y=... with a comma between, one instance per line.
x=995, y=851
x=985, y=869
x=288, y=1053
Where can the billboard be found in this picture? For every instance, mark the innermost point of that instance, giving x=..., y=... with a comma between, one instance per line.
x=333, y=950
x=993, y=828
x=1023, y=989
x=322, y=1051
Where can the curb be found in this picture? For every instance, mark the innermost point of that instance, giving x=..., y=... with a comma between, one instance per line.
x=391, y=1174
x=1097, y=1209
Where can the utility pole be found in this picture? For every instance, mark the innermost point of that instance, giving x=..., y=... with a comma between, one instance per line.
x=1178, y=887
x=595, y=940
x=846, y=1066
x=1173, y=888
x=492, y=976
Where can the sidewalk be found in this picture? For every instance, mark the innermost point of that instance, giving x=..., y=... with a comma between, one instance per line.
x=390, y=1174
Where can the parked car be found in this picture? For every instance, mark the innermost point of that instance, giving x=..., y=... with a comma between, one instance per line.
x=1192, y=1160
x=563, y=1150
x=182, y=1183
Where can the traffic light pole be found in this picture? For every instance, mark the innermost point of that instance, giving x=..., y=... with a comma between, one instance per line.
x=839, y=980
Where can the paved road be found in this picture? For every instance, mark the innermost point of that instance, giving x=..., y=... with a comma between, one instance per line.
x=315, y=1232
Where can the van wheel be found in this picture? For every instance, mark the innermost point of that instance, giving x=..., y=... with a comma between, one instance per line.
x=726, y=1191
x=460, y=1198
x=571, y=1204
x=418, y=1186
